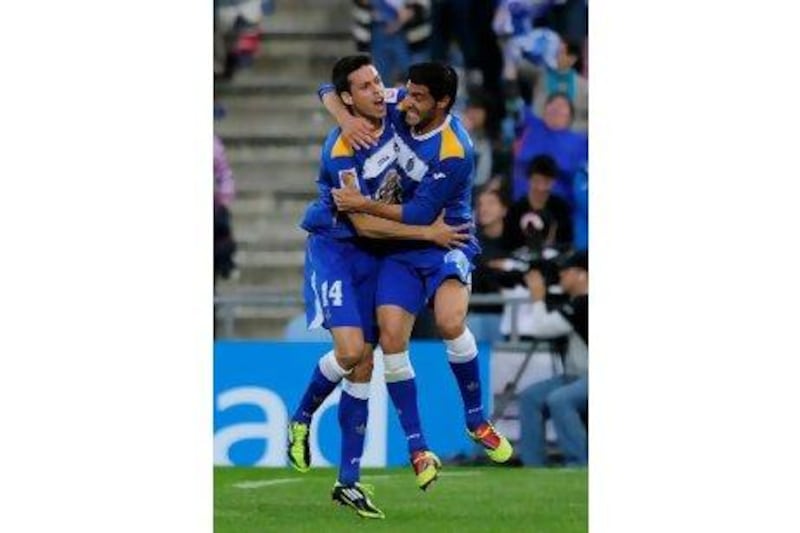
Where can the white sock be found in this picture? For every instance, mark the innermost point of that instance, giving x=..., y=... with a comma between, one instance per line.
x=356, y=390
x=331, y=369
x=397, y=367
x=463, y=348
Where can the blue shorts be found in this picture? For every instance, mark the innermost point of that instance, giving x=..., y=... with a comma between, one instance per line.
x=409, y=279
x=340, y=283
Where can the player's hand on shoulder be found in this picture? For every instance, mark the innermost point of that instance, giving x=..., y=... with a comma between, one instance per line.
x=348, y=199
x=448, y=236
x=359, y=133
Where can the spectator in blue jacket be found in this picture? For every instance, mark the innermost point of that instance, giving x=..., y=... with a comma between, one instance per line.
x=550, y=135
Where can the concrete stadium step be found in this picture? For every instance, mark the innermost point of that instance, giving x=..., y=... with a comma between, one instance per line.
x=282, y=236
x=285, y=211
x=254, y=82
x=279, y=114
x=252, y=322
x=269, y=176
x=323, y=18
x=236, y=104
x=277, y=197
x=266, y=207
x=272, y=140
x=272, y=218
x=310, y=60
x=262, y=124
x=266, y=155
x=243, y=221
x=303, y=49
x=315, y=68
x=274, y=268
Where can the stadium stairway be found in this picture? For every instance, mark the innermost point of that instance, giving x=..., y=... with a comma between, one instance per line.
x=272, y=131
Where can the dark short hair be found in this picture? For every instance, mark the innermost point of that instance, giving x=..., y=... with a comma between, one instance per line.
x=503, y=200
x=543, y=165
x=346, y=66
x=573, y=49
x=440, y=79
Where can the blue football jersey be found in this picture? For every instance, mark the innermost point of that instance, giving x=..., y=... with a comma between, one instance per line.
x=436, y=170
x=372, y=171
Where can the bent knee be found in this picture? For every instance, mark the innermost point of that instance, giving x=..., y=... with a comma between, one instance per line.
x=558, y=400
x=350, y=357
x=449, y=324
x=363, y=370
x=393, y=341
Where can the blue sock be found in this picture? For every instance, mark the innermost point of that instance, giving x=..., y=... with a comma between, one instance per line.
x=404, y=398
x=318, y=389
x=353, y=423
x=468, y=377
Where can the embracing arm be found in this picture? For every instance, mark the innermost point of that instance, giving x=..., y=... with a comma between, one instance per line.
x=351, y=201
x=427, y=202
x=381, y=228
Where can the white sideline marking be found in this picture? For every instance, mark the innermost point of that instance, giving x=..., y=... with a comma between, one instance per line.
x=264, y=483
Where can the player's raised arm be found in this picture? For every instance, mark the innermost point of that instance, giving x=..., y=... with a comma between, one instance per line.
x=357, y=131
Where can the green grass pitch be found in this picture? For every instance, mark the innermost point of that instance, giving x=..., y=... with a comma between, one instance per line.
x=485, y=499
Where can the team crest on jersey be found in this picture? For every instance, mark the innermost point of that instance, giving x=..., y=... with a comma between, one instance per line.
x=390, y=191
x=347, y=178
x=390, y=95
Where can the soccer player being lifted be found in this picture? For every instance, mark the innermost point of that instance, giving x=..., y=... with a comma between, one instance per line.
x=436, y=163
x=341, y=271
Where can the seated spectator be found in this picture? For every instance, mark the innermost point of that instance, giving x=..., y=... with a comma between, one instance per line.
x=484, y=320
x=539, y=219
x=580, y=208
x=551, y=136
x=563, y=398
x=224, y=191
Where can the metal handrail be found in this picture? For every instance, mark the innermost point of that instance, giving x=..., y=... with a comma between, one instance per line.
x=225, y=305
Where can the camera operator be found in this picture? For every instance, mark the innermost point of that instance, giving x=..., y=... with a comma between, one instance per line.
x=564, y=398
